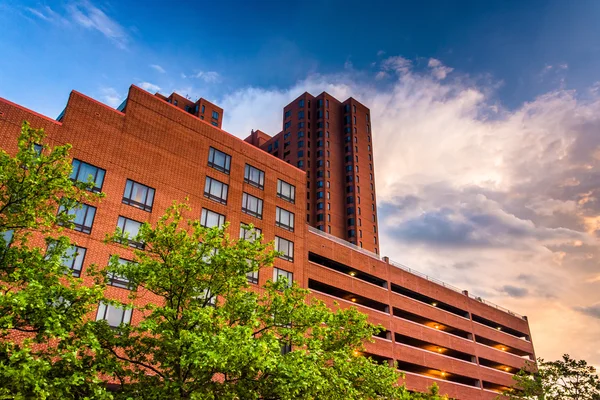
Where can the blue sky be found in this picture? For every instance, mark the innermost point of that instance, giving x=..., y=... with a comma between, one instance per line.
x=49, y=48
x=485, y=115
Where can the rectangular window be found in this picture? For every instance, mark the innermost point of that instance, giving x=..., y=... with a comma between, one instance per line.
x=287, y=125
x=132, y=229
x=249, y=234
x=73, y=259
x=215, y=115
x=114, y=316
x=210, y=219
x=300, y=114
x=84, y=217
x=280, y=273
x=219, y=160
x=216, y=190
x=288, y=114
x=284, y=219
x=286, y=248
x=286, y=191
x=252, y=277
x=252, y=205
x=203, y=109
x=84, y=172
x=138, y=195
x=254, y=176
x=117, y=280
x=301, y=103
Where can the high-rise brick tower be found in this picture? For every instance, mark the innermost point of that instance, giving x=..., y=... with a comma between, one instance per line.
x=331, y=141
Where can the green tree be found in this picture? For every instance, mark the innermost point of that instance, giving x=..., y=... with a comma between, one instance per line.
x=557, y=380
x=205, y=335
x=42, y=307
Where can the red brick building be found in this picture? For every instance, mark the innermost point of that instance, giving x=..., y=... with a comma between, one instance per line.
x=331, y=141
x=152, y=151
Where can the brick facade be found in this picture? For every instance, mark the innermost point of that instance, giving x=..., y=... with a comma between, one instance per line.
x=435, y=332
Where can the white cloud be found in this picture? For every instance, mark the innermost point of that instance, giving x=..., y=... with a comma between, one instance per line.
x=380, y=53
x=515, y=189
x=158, y=68
x=398, y=64
x=111, y=97
x=48, y=14
x=208, y=76
x=149, y=86
x=87, y=15
x=438, y=70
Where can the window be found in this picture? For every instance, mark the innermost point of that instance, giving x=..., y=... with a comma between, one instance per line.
x=280, y=273
x=320, y=153
x=203, y=108
x=300, y=114
x=301, y=154
x=326, y=103
x=319, y=184
x=285, y=247
x=117, y=280
x=254, y=176
x=209, y=219
x=327, y=115
x=219, y=160
x=319, y=206
x=73, y=259
x=300, y=125
x=216, y=190
x=320, y=217
x=284, y=219
x=114, y=316
x=270, y=148
x=249, y=234
x=320, y=173
x=131, y=228
x=252, y=277
x=320, y=194
x=138, y=195
x=351, y=221
x=215, y=115
x=320, y=103
x=351, y=233
x=301, y=103
x=252, y=205
x=84, y=172
x=301, y=134
x=346, y=107
x=319, y=113
x=286, y=191
x=287, y=136
x=300, y=143
x=288, y=114
x=84, y=217
x=300, y=164
x=350, y=210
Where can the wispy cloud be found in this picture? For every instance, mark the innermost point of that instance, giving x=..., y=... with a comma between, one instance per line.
x=439, y=70
x=110, y=96
x=149, y=86
x=158, y=68
x=85, y=14
x=47, y=14
x=208, y=76
x=397, y=64
x=592, y=311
